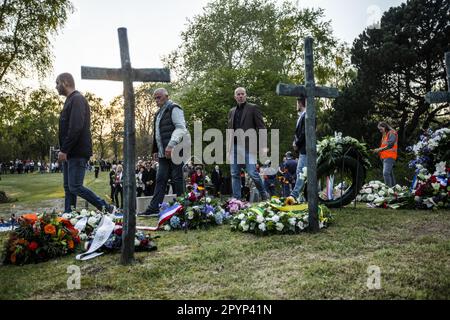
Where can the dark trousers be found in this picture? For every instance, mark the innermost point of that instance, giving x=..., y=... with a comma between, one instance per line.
x=74, y=171
x=97, y=169
x=118, y=189
x=113, y=190
x=217, y=188
x=166, y=169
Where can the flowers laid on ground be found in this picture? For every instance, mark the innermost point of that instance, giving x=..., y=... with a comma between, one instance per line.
x=233, y=205
x=432, y=160
x=430, y=188
x=378, y=194
x=432, y=148
x=331, y=148
x=270, y=218
x=433, y=190
x=89, y=222
x=39, y=238
x=142, y=241
x=199, y=211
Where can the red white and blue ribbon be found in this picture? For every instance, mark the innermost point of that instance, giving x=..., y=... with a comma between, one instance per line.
x=413, y=184
x=163, y=217
x=330, y=183
x=8, y=226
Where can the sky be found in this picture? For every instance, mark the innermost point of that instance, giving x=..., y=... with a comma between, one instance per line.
x=90, y=36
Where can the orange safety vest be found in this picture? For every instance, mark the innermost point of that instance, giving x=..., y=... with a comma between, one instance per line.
x=389, y=153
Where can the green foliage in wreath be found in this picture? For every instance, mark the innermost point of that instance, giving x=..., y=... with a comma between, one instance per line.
x=332, y=148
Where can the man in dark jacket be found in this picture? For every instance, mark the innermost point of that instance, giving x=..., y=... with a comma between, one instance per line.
x=299, y=145
x=75, y=145
x=169, y=130
x=245, y=116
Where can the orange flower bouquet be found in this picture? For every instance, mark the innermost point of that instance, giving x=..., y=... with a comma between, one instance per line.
x=39, y=238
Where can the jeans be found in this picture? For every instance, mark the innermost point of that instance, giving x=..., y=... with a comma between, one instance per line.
x=269, y=185
x=299, y=183
x=287, y=187
x=166, y=169
x=74, y=171
x=250, y=166
x=388, y=172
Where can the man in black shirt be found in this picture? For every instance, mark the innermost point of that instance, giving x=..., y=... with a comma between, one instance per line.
x=75, y=145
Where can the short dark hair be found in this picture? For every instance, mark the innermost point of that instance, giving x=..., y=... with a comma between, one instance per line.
x=68, y=79
x=385, y=126
x=302, y=99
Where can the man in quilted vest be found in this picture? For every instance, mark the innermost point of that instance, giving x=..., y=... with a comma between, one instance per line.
x=169, y=128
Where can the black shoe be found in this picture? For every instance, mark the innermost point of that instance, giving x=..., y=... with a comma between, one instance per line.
x=112, y=209
x=265, y=196
x=148, y=214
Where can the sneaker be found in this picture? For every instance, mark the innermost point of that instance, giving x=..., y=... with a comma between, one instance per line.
x=112, y=209
x=148, y=214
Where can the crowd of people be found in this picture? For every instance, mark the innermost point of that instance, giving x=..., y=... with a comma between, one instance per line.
x=28, y=166
x=162, y=173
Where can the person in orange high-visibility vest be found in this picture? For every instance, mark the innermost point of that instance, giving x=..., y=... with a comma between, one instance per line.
x=388, y=152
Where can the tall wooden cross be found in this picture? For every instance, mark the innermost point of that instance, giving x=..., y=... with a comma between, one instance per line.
x=441, y=96
x=127, y=75
x=310, y=91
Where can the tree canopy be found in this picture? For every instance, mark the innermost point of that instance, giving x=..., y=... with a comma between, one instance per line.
x=397, y=65
x=254, y=44
x=26, y=28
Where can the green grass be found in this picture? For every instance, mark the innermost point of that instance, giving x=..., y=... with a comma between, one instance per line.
x=412, y=249
x=36, y=191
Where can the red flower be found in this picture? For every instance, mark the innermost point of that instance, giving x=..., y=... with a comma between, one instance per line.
x=192, y=197
x=433, y=179
x=33, y=246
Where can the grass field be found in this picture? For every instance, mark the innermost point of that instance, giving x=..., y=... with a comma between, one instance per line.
x=411, y=248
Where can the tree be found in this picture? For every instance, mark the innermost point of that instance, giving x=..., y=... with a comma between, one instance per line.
x=28, y=124
x=100, y=124
x=254, y=44
x=397, y=65
x=117, y=126
x=26, y=27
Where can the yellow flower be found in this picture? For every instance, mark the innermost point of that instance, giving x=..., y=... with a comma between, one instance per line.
x=290, y=201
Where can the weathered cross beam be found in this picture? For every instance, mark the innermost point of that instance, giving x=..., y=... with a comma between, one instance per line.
x=310, y=91
x=441, y=96
x=127, y=75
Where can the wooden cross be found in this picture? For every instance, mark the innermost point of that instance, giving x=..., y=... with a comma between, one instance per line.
x=441, y=96
x=310, y=91
x=127, y=75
